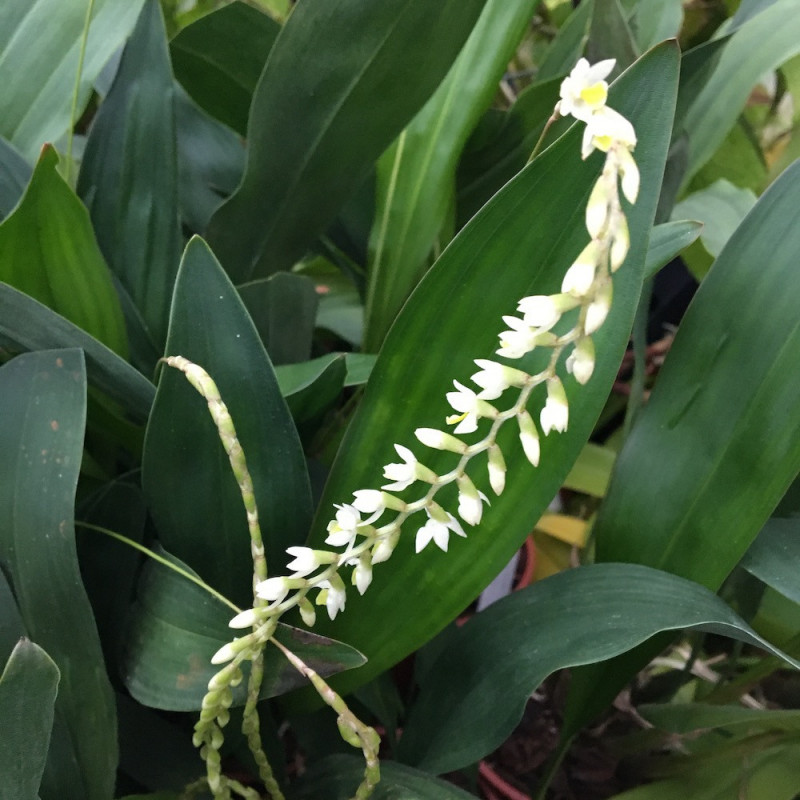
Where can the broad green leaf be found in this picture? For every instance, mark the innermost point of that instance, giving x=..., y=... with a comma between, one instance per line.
x=48, y=251
x=773, y=557
x=761, y=44
x=724, y=399
x=186, y=477
x=11, y=627
x=129, y=174
x=520, y=243
x=683, y=718
x=283, y=309
x=475, y=692
x=27, y=325
x=668, y=240
x=567, y=46
x=697, y=66
x=210, y=162
x=41, y=438
x=219, y=58
x=39, y=47
x=338, y=777
x=591, y=471
x=656, y=20
x=359, y=368
x=354, y=101
x=610, y=36
x=14, y=176
x=416, y=175
x=313, y=386
x=341, y=311
x=28, y=687
x=177, y=626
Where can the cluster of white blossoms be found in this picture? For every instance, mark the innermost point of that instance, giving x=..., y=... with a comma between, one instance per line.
x=357, y=530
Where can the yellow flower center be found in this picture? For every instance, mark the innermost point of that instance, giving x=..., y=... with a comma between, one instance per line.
x=456, y=418
x=602, y=142
x=596, y=94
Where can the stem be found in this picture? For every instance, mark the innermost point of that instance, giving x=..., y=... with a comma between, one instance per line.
x=535, y=152
x=639, y=362
x=161, y=560
x=552, y=767
x=76, y=89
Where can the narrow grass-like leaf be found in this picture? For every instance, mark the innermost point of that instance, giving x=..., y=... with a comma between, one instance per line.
x=577, y=617
x=186, y=477
x=41, y=431
x=355, y=100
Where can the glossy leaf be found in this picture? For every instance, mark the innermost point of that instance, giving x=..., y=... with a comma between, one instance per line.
x=39, y=46
x=48, y=251
x=14, y=176
x=177, y=626
x=520, y=243
x=355, y=100
x=27, y=325
x=761, y=44
x=41, y=430
x=312, y=387
x=186, y=477
x=283, y=309
x=28, y=687
x=668, y=240
x=773, y=557
x=416, y=175
x=129, y=174
x=577, y=617
x=219, y=58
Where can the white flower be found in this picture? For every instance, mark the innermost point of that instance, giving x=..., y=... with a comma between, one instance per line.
x=620, y=239
x=403, y=475
x=244, y=619
x=584, y=91
x=342, y=530
x=555, y=414
x=629, y=172
x=497, y=469
x=580, y=276
x=518, y=341
x=307, y=560
x=597, y=310
x=439, y=440
x=471, y=408
x=581, y=361
x=605, y=129
x=362, y=574
x=495, y=378
x=438, y=528
x=529, y=437
x=272, y=589
x=600, y=200
x=385, y=546
x=470, y=501
x=368, y=501
x=333, y=595
x=539, y=311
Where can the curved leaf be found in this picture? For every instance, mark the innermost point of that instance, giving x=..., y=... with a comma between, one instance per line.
x=355, y=100
x=520, y=243
x=667, y=241
x=186, y=477
x=14, y=176
x=774, y=555
x=475, y=692
x=41, y=438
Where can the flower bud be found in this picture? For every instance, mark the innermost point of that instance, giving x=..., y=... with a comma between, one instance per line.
x=581, y=361
x=580, y=276
x=307, y=612
x=245, y=619
x=598, y=309
x=529, y=437
x=439, y=440
x=555, y=414
x=497, y=469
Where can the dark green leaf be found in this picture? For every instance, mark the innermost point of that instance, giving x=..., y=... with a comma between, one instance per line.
x=11, y=627
x=28, y=689
x=567, y=47
x=283, y=309
x=14, y=176
x=359, y=368
x=177, y=626
x=520, y=243
x=219, y=58
x=312, y=387
x=656, y=20
x=354, y=101
x=475, y=693
x=41, y=438
x=697, y=66
x=774, y=555
x=683, y=718
x=610, y=36
x=667, y=241
x=129, y=174
x=48, y=251
x=26, y=324
x=40, y=44
x=186, y=477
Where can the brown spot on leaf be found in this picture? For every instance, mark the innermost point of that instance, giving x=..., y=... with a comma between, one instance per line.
x=54, y=424
x=59, y=362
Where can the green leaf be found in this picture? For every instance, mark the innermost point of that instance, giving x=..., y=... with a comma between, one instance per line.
x=520, y=243
x=177, y=626
x=41, y=433
x=724, y=385
x=475, y=692
x=338, y=777
x=48, y=251
x=39, y=47
x=668, y=240
x=416, y=175
x=567, y=46
x=591, y=471
x=26, y=324
x=129, y=175
x=683, y=718
x=28, y=689
x=355, y=100
x=312, y=387
x=284, y=309
x=656, y=20
x=11, y=627
x=773, y=557
x=757, y=47
x=219, y=58
x=359, y=368
x=14, y=176
x=186, y=477
x=610, y=36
